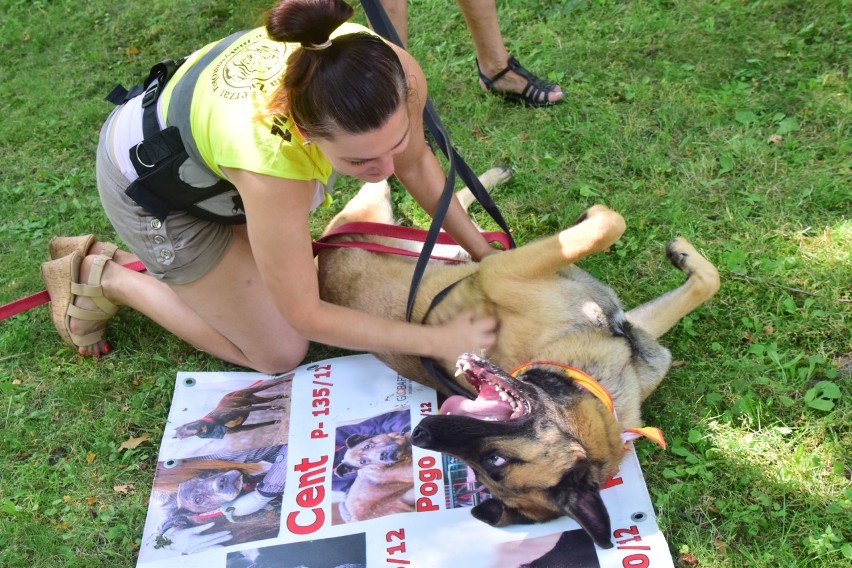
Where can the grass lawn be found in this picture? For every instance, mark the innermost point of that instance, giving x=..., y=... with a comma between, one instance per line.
x=727, y=122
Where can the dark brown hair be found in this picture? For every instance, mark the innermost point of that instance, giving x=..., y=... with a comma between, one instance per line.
x=352, y=85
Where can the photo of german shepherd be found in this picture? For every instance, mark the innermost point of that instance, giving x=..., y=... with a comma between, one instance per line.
x=384, y=482
x=540, y=442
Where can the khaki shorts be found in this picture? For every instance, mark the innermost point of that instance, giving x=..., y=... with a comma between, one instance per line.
x=179, y=250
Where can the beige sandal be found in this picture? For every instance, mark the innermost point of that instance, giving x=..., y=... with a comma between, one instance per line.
x=61, y=279
x=63, y=246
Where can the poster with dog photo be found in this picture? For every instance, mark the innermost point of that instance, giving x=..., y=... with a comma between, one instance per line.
x=316, y=468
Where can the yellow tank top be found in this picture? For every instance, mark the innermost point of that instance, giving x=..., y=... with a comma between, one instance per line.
x=229, y=122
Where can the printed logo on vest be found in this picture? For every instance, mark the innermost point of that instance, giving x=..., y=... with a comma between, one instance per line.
x=254, y=64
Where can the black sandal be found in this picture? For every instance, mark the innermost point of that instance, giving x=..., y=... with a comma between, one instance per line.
x=533, y=95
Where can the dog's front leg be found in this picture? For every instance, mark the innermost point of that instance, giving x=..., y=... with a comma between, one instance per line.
x=595, y=231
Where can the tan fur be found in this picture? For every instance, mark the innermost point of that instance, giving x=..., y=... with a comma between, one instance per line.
x=380, y=488
x=548, y=309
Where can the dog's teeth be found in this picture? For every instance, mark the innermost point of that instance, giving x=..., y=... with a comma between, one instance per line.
x=458, y=371
x=504, y=396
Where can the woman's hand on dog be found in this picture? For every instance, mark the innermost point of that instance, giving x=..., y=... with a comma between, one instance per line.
x=464, y=333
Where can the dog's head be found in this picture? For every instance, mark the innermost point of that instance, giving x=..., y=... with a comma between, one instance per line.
x=209, y=491
x=201, y=428
x=379, y=451
x=542, y=445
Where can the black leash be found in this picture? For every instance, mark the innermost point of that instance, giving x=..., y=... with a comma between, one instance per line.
x=381, y=24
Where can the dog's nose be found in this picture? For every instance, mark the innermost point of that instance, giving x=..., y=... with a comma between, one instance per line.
x=421, y=437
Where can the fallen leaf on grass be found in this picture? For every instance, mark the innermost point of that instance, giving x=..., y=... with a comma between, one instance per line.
x=90, y=457
x=124, y=489
x=678, y=364
x=687, y=559
x=132, y=443
x=775, y=139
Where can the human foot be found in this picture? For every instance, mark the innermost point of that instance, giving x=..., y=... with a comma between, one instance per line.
x=78, y=307
x=516, y=84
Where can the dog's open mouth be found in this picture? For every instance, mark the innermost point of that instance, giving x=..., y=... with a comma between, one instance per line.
x=496, y=398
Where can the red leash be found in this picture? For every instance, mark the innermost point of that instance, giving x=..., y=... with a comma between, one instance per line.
x=395, y=232
x=355, y=228
x=34, y=300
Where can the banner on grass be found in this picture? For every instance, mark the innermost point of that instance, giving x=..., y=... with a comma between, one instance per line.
x=315, y=469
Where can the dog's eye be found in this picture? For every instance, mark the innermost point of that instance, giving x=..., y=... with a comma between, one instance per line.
x=496, y=460
x=364, y=461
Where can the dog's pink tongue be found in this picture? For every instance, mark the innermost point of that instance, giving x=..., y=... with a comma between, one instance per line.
x=480, y=408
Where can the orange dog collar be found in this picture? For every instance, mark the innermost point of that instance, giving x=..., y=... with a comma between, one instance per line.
x=591, y=385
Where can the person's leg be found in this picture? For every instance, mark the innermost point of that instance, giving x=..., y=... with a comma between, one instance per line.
x=491, y=53
x=397, y=11
x=227, y=312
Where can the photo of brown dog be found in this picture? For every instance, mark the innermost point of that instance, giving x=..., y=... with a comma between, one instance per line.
x=234, y=409
x=544, y=440
x=374, y=469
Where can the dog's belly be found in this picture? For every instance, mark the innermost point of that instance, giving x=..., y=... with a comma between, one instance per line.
x=571, y=318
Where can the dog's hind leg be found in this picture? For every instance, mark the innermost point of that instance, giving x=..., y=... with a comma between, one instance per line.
x=490, y=179
x=371, y=203
x=250, y=391
x=702, y=282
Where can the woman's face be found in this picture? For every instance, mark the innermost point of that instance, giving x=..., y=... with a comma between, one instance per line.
x=368, y=156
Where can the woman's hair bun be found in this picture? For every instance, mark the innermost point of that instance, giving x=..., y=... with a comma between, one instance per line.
x=308, y=22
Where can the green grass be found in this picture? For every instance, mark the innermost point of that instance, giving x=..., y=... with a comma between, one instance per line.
x=727, y=122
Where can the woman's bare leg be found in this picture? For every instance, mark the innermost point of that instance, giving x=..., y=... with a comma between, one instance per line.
x=397, y=11
x=481, y=18
x=227, y=312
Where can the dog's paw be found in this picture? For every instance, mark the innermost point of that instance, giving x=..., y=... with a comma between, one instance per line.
x=689, y=261
x=603, y=225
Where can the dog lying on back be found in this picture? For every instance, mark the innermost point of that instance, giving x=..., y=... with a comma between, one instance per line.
x=542, y=443
x=233, y=410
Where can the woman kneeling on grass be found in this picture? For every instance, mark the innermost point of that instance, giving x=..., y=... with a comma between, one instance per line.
x=272, y=111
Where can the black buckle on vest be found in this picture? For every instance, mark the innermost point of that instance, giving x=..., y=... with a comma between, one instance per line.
x=152, y=92
x=151, y=87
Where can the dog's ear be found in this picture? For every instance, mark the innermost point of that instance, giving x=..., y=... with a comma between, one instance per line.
x=578, y=496
x=355, y=439
x=495, y=512
x=489, y=511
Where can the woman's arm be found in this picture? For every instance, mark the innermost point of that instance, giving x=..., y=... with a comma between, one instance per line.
x=421, y=174
x=277, y=212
